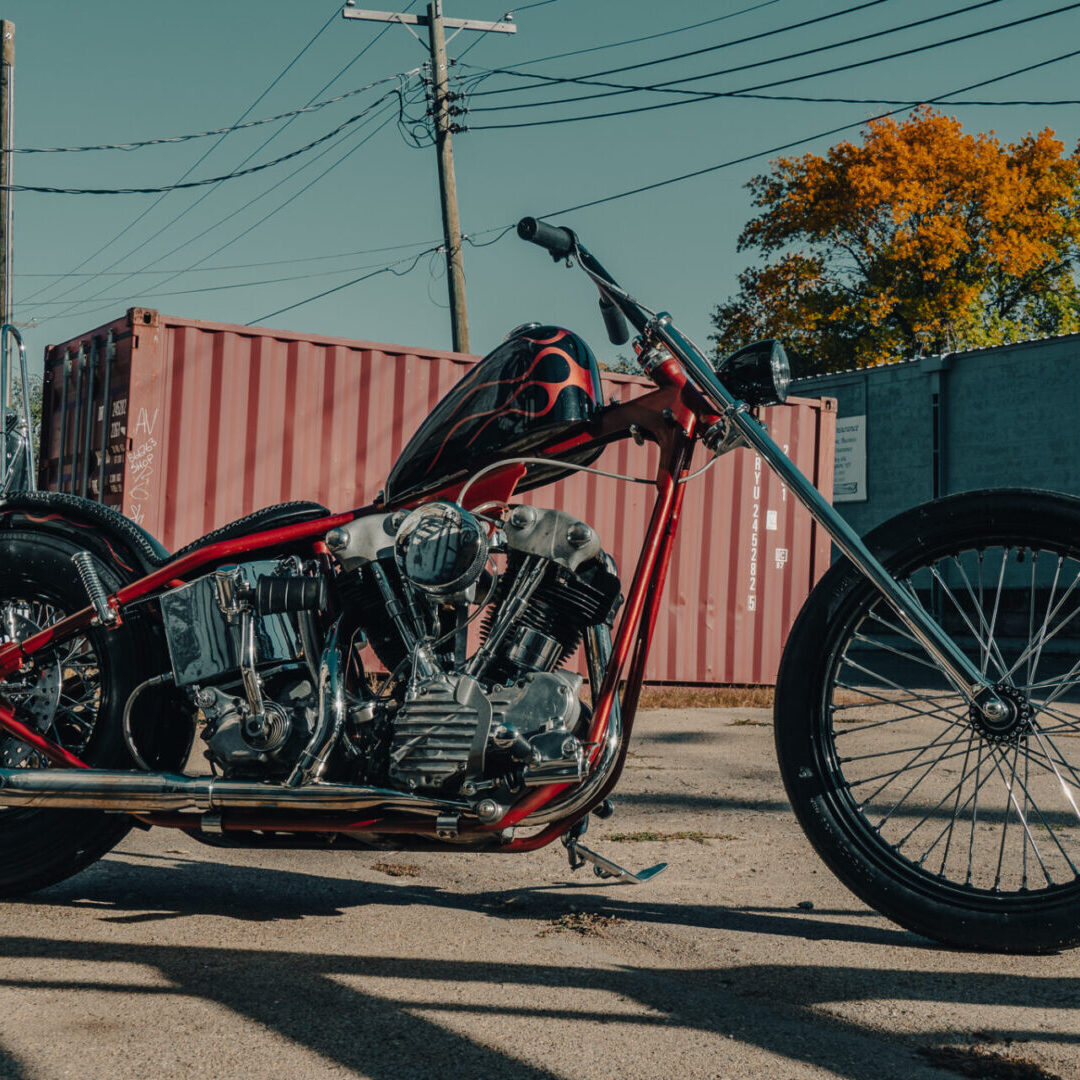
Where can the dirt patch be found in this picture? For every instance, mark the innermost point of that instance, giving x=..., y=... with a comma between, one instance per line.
x=706, y=697
x=648, y=837
x=985, y=1064
x=396, y=869
x=585, y=923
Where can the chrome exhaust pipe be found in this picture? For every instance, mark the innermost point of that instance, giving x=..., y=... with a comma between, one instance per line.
x=132, y=792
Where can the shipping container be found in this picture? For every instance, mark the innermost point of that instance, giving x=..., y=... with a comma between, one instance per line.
x=185, y=425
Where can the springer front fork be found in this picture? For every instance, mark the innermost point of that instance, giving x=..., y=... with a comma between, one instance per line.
x=964, y=675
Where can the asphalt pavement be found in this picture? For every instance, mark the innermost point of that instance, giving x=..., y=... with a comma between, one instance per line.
x=745, y=959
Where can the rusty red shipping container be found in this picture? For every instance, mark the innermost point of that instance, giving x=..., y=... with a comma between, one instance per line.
x=185, y=425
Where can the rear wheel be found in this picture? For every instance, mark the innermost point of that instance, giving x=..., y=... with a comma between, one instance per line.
x=962, y=829
x=73, y=694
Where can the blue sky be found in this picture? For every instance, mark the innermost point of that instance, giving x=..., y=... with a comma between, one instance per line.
x=120, y=70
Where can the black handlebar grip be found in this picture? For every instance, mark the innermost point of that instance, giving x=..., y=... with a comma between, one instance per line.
x=560, y=242
x=617, y=331
x=275, y=595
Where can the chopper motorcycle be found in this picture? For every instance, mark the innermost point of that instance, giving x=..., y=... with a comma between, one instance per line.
x=925, y=717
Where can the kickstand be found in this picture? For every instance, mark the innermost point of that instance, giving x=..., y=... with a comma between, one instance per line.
x=579, y=855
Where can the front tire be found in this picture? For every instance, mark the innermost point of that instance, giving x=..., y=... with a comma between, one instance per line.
x=961, y=830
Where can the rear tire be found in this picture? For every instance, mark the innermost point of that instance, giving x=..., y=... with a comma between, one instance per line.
x=75, y=695
x=958, y=830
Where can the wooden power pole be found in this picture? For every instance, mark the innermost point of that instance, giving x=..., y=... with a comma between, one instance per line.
x=436, y=24
x=7, y=117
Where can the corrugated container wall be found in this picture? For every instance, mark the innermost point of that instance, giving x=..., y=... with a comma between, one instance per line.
x=184, y=426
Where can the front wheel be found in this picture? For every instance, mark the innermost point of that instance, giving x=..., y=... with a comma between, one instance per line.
x=960, y=829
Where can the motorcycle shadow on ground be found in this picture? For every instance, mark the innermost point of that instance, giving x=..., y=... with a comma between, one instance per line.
x=781, y=1008
x=390, y=1018
x=139, y=888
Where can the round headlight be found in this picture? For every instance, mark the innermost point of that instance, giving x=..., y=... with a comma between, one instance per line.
x=758, y=374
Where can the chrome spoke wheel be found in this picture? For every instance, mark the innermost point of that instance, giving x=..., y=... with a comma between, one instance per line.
x=984, y=805
x=57, y=694
x=961, y=824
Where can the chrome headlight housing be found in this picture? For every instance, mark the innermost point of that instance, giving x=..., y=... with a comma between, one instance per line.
x=758, y=374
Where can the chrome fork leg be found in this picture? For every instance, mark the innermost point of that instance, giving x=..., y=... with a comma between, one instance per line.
x=961, y=671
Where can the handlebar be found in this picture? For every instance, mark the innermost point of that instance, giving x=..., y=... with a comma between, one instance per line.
x=560, y=242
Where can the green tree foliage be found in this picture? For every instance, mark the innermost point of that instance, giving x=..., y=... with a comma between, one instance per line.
x=920, y=239
x=35, y=389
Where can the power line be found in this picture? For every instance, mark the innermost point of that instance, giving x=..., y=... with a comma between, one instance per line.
x=243, y=116
x=235, y=284
x=203, y=134
x=711, y=94
x=525, y=7
x=502, y=231
x=281, y=206
x=210, y=190
x=210, y=179
x=508, y=16
x=356, y=281
x=910, y=104
x=778, y=149
x=644, y=37
x=623, y=88
x=234, y=266
x=693, y=52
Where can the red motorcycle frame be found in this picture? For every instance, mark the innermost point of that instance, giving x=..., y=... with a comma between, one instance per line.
x=671, y=416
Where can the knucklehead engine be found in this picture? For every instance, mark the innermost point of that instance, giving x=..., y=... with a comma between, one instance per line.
x=498, y=717
x=473, y=615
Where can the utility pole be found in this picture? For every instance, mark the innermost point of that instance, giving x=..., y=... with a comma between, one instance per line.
x=441, y=115
x=7, y=119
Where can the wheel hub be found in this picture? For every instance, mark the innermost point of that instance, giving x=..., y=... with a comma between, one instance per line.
x=1008, y=725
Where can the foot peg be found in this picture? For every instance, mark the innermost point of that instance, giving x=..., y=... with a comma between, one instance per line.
x=579, y=855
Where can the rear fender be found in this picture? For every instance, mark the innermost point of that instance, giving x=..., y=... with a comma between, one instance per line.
x=118, y=542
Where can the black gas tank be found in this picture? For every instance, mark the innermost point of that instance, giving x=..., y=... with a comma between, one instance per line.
x=539, y=381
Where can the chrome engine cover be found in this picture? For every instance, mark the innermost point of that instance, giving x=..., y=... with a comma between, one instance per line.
x=440, y=732
x=446, y=727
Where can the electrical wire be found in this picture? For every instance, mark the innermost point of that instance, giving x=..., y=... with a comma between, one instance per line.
x=910, y=104
x=243, y=116
x=203, y=134
x=525, y=7
x=80, y=303
x=705, y=49
x=389, y=268
x=225, y=287
x=206, y=180
x=705, y=95
x=217, y=224
x=644, y=37
x=277, y=209
x=502, y=231
x=236, y=266
x=487, y=243
x=210, y=190
x=789, y=145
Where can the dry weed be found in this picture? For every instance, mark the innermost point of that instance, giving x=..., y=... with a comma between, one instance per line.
x=395, y=869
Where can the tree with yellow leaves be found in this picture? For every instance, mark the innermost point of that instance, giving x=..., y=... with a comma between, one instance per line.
x=923, y=239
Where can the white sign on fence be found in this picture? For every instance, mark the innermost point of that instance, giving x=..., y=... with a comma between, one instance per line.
x=849, y=479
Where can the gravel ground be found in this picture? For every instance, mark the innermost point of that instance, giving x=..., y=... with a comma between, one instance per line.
x=171, y=959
